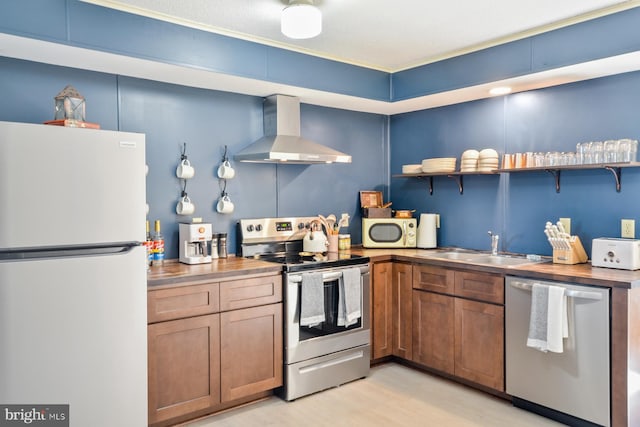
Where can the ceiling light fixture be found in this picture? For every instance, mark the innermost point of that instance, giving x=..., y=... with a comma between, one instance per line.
x=501, y=90
x=301, y=20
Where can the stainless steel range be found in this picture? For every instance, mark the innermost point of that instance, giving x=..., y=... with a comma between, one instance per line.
x=326, y=305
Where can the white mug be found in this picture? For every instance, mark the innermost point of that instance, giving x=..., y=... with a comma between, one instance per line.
x=225, y=205
x=185, y=206
x=185, y=170
x=225, y=170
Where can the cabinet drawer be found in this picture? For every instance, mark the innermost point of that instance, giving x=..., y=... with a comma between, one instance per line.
x=481, y=286
x=185, y=301
x=435, y=279
x=250, y=292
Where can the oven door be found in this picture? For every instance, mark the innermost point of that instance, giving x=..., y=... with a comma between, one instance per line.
x=306, y=342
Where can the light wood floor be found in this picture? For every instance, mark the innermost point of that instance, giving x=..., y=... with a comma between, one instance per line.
x=392, y=395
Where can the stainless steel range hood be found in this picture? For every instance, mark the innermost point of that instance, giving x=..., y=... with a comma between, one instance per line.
x=282, y=143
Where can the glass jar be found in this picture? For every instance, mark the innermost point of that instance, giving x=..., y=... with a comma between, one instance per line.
x=344, y=242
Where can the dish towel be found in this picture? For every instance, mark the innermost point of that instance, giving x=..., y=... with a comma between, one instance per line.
x=548, y=324
x=349, y=297
x=311, y=299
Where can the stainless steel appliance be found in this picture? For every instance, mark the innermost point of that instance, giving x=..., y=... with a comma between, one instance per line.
x=194, y=241
x=73, y=294
x=325, y=354
x=389, y=232
x=572, y=386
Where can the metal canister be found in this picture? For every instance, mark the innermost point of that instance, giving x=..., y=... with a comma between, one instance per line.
x=222, y=245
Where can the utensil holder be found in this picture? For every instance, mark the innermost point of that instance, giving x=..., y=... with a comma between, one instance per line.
x=575, y=255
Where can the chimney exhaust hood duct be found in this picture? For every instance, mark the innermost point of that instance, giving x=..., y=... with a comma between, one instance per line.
x=282, y=142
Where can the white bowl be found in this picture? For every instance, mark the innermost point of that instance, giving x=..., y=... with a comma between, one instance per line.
x=488, y=153
x=470, y=154
x=411, y=168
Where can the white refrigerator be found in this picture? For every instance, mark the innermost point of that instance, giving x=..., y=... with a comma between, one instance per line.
x=73, y=273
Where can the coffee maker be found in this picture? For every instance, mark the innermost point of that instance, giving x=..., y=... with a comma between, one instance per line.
x=194, y=242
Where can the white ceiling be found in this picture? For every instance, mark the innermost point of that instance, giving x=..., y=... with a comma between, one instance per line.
x=388, y=35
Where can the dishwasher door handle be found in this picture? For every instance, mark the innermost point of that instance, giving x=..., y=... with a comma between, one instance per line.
x=568, y=292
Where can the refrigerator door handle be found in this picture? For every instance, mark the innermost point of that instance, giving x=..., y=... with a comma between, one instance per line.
x=67, y=252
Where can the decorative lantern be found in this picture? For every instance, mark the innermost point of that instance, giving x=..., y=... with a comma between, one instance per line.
x=70, y=105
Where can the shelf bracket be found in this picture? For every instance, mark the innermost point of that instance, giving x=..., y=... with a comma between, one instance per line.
x=556, y=176
x=458, y=179
x=617, y=175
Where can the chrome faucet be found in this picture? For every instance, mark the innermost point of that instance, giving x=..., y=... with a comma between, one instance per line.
x=494, y=242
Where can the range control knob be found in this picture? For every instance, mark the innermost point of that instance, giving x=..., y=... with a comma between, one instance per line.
x=250, y=228
x=259, y=227
x=301, y=226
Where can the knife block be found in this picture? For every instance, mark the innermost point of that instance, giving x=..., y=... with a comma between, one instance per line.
x=575, y=255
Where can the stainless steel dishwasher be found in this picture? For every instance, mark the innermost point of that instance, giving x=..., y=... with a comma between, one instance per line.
x=572, y=387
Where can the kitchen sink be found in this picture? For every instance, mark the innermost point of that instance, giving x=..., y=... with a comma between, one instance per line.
x=504, y=260
x=460, y=256
x=483, y=258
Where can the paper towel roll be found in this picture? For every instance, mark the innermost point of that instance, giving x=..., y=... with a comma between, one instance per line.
x=427, y=231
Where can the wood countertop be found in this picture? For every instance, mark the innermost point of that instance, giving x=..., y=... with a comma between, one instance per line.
x=173, y=273
x=578, y=273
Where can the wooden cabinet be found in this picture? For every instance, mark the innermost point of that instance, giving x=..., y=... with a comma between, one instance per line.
x=402, y=303
x=458, y=323
x=381, y=311
x=433, y=330
x=251, y=341
x=184, y=366
x=479, y=342
x=210, y=344
x=391, y=310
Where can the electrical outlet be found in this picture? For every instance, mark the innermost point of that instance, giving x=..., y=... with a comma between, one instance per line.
x=628, y=228
x=437, y=220
x=566, y=223
x=344, y=219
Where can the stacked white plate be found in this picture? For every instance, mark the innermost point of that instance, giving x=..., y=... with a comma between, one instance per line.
x=469, y=161
x=439, y=164
x=411, y=168
x=488, y=160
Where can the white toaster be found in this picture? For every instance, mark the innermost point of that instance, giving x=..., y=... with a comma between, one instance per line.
x=616, y=253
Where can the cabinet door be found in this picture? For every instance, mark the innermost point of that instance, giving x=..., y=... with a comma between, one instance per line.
x=480, y=286
x=185, y=301
x=381, y=311
x=251, y=292
x=251, y=351
x=434, y=279
x=184, y=366
x=402, y=312
x=479, y=343
x=433, y=330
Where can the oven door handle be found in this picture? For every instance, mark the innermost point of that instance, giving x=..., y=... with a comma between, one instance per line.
x=326, y=277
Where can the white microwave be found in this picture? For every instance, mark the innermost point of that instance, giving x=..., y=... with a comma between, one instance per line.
x=389, y=232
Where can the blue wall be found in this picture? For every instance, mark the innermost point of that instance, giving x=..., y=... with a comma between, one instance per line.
x=206, y=120
x=517, y=205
